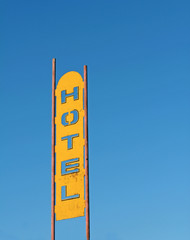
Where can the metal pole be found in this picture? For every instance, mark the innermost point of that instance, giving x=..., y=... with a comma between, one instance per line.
x=86, y=155
x=53, y=153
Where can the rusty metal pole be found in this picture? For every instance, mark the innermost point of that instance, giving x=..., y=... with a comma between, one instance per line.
x=86, y=155
x=53, y=153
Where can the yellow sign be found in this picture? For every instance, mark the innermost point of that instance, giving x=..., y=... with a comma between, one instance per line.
x=69, y=147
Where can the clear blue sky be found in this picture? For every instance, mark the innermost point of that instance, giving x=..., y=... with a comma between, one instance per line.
x=138, y=56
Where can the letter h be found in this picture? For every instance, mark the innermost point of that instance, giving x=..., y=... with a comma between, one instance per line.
x=64, y=95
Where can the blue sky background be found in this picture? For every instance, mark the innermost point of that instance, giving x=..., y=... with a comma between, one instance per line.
x=138, y=56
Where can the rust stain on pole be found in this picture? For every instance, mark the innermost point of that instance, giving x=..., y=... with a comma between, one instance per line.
x=53, y=154
x=86, y=155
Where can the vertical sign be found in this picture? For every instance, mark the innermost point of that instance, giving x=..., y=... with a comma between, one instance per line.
x=69, y=147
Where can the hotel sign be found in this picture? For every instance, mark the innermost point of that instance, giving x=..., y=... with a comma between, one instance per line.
x=69, y=147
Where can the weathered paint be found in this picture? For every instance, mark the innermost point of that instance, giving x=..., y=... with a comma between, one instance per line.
x=70, y=172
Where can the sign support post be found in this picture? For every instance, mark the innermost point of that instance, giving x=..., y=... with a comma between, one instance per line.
x=86, y=154
x=53, y=153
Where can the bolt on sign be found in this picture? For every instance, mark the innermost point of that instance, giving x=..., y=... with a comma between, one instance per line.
x=69, y=147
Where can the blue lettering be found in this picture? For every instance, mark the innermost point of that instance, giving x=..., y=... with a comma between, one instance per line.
x=75, y=118
x=64, y=194
x=64, y=95
x=71, y=163
x=70, y=140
